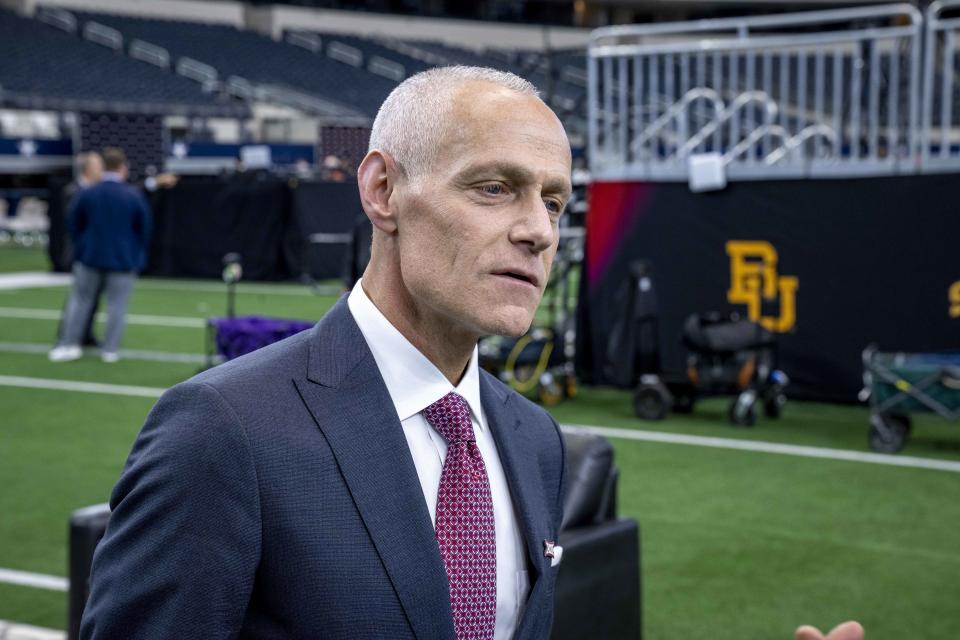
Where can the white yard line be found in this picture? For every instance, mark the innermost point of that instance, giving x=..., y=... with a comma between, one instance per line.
x=17, y=631
x=757, y=446
x=36, y=580
x=39, y=279
x=33, y=280
x=81, y=387
x=125, y=354
x=760, y=446
x=258, y=289
x=132, y=318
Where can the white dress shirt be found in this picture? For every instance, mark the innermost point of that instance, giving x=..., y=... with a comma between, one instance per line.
x=414, y=384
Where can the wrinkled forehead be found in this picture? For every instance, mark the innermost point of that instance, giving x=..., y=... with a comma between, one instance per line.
x=487, y=121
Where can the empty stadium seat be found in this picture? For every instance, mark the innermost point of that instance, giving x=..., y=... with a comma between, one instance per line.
x=44, y=67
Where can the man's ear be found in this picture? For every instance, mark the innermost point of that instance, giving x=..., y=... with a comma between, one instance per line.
x=377, y=176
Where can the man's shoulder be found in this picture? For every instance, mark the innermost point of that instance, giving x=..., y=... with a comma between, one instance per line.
x=257, y=376
x=114, y=188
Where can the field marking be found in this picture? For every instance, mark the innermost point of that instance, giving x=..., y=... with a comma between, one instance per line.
x=125, y=354
x=82, y=387
x=33, y=280
x=40, y=279
x=257, y=289
x=35, y=580
x=760, y=446
x=757, y=446
x=132, y=318
x=16, y=631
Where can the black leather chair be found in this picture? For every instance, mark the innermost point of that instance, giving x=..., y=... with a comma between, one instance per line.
x=598, y=587
x=87, y=526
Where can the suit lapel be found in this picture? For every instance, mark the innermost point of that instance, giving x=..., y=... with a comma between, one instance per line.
x=518, y=455
x=350, y=403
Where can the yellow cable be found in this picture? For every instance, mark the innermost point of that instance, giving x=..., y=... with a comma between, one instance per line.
x=510, y=364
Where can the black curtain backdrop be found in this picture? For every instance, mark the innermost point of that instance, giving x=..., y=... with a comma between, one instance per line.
x=322, y=208
x=264, y=218
x=198, y=222
x=874, y=261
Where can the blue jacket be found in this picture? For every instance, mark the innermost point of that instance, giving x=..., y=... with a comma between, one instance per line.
x=275, y=497
x=110, y=224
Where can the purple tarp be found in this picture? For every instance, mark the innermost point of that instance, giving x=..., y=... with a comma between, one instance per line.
x=244, y=334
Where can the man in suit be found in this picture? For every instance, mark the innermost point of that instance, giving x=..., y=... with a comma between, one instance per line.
x=110, y=225
x=366, y=479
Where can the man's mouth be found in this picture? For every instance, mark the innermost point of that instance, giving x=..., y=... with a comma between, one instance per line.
x=522, y=276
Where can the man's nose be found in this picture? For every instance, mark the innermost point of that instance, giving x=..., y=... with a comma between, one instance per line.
x=534, y=227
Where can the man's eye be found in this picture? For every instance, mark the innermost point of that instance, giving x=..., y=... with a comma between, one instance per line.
x=492, y=189
x=553, y=206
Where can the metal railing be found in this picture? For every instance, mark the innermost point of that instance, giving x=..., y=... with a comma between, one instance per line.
x=103, y=35
x=197, y=71
x=59, y=18
x=309, y=41
x=389, y=69
x=344, y=53
x=822, y=93
x=941, y=104
x=150, y=53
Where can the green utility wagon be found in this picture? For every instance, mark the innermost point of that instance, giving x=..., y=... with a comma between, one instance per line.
x=898, y=384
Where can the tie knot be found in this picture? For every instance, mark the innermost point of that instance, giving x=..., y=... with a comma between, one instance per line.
x=450, y=416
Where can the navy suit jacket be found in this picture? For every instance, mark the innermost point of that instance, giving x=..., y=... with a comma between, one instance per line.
x=275, y=496
x=110, y=224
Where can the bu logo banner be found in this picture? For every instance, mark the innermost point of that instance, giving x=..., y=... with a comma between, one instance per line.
x=754, y=280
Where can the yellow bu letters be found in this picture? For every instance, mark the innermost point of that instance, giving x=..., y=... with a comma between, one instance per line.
x=754, y=278
x=954, y=296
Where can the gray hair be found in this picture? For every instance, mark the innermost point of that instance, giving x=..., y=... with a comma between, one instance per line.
x=413, y=118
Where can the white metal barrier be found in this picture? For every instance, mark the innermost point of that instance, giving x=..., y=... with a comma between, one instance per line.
x=941, y=106
x=823, y=93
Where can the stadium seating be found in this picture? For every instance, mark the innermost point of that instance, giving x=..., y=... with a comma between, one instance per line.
x=352, y=73
x=257, y=58
x=532, y=66
x=375, y=47
x=44, y=67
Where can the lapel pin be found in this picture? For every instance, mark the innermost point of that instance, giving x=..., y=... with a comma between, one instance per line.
x=548, y=548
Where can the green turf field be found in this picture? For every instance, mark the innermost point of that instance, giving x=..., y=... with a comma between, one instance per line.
x=737, y=544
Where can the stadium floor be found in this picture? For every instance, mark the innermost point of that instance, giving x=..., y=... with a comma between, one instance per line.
x=737, y=544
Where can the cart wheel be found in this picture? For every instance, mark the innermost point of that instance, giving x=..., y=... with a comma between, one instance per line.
x=683, y=402
x=773, y=406
x=650, y=402
x=888, y=432
x=550, y=392
x=743, y=409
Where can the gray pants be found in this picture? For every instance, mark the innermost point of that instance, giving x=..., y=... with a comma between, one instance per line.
x=86, y=282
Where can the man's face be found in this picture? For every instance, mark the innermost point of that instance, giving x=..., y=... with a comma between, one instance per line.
x=477, y=233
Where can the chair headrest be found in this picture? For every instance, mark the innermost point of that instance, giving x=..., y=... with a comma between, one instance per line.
x=588, y=466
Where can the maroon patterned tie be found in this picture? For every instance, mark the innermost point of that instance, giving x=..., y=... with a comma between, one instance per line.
x=465, y=527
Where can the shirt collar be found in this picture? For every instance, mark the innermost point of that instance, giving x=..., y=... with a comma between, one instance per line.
x=414, y=383
x=111, y=176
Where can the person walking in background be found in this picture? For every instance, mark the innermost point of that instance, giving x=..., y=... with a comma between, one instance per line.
x=110, y=226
